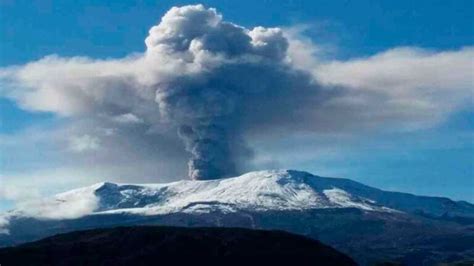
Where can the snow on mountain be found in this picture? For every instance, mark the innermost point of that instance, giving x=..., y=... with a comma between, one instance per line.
x=277, y=190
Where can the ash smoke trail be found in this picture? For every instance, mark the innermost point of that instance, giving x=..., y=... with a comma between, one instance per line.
x=211, y=151
x=207, y=118
x=228, y=67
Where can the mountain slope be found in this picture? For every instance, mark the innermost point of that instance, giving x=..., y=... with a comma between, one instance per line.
x=369, y=224
x=151, y=245
x=255, y=191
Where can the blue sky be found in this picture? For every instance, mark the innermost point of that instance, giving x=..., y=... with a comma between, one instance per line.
x=33, y=29
x=438, y=160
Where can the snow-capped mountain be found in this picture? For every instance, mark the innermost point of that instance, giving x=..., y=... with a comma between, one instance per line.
x=340, y=212
x=255, y=191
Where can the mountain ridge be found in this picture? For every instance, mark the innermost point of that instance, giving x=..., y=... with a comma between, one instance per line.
x=369, y=224
x=255, y=191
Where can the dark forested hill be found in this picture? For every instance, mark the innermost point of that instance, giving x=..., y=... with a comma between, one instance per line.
x=152, y=245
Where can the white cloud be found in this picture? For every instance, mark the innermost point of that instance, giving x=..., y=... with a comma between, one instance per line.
x=128, y=118
x=68, y=205
x=32, y=184
x=84, y=143
x=404, y=70
x=303, y=52
x=18, y=194
x=402, y=88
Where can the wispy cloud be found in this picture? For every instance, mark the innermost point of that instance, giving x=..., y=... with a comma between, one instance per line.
x=402, y=88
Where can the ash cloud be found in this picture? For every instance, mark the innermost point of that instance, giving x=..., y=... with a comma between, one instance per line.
x=239, y=78
x=209, y=85
x=210, y=80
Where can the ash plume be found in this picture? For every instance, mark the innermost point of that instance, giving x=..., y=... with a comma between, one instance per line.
x=210, y=81
x=232, y=71
x=205, y=87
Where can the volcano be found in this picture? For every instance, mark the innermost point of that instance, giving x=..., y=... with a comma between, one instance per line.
x=367, y=223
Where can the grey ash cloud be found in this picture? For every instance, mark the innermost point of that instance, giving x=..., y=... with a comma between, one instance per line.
x=241, y=79
x=208, y=85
